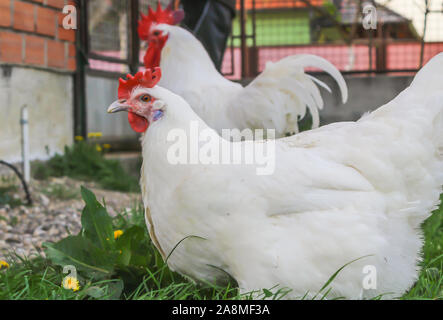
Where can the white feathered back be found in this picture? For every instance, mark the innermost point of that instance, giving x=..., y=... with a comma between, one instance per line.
x=277, y=99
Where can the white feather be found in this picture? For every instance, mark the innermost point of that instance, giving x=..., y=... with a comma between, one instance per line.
x=341, y=192
x=276, y=99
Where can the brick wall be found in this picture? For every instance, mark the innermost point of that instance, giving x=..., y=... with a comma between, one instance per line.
x=31, y=33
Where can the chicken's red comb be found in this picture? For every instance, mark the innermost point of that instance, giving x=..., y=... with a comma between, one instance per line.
x=147, y=79
x=167, y=16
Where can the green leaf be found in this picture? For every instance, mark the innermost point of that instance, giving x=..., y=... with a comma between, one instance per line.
x=133, y=245
x=332, y=10
x=96, y=222
x=89, y=197
x=267, y=293
x=115, y=289
x=81, y=253
x=95, y=292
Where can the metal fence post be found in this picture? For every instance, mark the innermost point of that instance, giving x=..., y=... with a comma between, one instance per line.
x=81, y=44
x=134, y=43
x=244, y=53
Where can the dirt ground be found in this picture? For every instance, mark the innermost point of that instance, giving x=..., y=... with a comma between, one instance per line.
x=55, y=212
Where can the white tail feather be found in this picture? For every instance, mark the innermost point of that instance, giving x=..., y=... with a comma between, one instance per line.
x=308, y=60
x=282, y=93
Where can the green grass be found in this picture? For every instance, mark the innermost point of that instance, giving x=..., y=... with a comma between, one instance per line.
x=39, y=278
x=142, y=275
x=6, y=197
x=430, y=282
x=8, y=186
x=84, y=162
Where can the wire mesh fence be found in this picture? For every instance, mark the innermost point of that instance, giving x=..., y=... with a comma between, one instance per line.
x=108, y=34
x=404, y=34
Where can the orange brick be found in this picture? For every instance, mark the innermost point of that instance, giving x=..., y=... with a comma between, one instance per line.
x=46, y=22
x=23, y=16
x=56, y=3
x=72, y=64
x=68, y=35
x=5, y=13
x=35, y=50
x=11, y=47
x=71, y=51
x=56, y=54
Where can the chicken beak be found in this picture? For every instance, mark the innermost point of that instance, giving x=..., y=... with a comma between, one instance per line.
x=117, y=106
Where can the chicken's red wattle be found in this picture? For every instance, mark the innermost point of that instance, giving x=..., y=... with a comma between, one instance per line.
x=137, y=123
x=153, y=54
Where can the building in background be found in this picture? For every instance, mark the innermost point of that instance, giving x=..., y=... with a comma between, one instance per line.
x=416, y=14
x=333, y=29
x=348, y=14
x=37, y=63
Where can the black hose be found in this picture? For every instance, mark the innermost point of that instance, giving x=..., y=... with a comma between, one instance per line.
x=25, y=186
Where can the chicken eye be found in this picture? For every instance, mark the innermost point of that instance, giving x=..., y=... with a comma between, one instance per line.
x=146, y=98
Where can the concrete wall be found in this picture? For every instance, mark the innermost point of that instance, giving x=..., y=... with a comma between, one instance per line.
x=49, y=97
x=365, y=94
x=100, y=93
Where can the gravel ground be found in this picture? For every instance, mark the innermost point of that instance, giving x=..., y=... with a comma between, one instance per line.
x=55, y=213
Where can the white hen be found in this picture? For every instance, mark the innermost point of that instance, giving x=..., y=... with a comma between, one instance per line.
x=277, y=99
x=338, y=193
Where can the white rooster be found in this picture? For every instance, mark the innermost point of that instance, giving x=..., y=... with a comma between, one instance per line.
x=344, y=191
x=276, y=99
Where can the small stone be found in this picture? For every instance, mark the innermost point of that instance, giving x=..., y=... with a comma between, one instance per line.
x=12, y=239
x=44, y=200
x=38, y=232
x=24, y=210
x=23, y=228
x=53, y=231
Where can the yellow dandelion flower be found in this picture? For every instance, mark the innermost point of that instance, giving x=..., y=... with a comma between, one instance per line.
x=117, y=234
x=95, y=135
x=4, y=265
x=107, y=146
x=70, y=283
x=98, y=148
x=78, y=138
